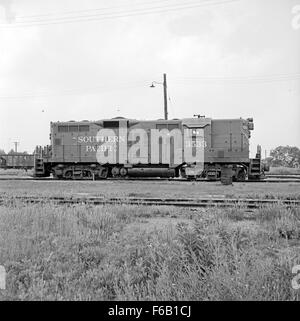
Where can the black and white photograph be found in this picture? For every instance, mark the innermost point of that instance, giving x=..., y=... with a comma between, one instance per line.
x=149, y=152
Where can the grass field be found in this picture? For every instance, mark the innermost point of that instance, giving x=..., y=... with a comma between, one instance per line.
x=133, y=253
x=15, y=172
x=284, y=171
x=114, y=252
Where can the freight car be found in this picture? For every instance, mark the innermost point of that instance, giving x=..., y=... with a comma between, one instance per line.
x=192, y=148
x=18, y=161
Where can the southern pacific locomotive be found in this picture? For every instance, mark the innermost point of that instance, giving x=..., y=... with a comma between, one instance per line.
x=191, y=148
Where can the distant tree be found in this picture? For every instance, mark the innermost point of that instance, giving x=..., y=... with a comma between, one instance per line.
x=268, y=160
x=12, y=152
x=2, y=151
x=286, y=156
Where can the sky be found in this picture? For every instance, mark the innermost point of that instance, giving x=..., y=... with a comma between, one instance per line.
x=74, y=60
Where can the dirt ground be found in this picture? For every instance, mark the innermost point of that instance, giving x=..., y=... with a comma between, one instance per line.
x=174, y=189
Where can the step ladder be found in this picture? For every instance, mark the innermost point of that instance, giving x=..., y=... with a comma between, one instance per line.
x=39, y=168
x=255, y=168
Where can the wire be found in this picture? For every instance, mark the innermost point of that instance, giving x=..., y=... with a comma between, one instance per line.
x=238, y=80
x=89, y=10
x=142, y=83
x=171, y=107
x=115, y=15
x=78, y=91
x=286, y=75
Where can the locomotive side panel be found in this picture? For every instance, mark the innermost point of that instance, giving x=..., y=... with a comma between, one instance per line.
x=70, y=141
x=224, y=141
x=104, y=143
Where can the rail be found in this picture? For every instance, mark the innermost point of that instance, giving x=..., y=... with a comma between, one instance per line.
x=181, y=202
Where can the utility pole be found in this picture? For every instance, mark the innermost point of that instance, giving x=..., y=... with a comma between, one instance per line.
x=164, y=83
x=16, y=146
x=165, y=97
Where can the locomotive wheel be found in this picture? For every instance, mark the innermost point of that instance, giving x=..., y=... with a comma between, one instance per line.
x=103, y=173
x=87, y=174
x=123, y=171
x=115, y=171
x=69, y=175
x=241, y=176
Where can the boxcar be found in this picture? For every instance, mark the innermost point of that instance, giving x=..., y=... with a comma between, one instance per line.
x=19, y=161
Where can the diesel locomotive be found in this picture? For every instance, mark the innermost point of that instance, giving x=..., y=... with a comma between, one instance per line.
x=190, y=148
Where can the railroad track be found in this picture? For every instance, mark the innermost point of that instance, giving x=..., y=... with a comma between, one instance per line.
x=181, y=202
x=283, y=176
x=49, y=179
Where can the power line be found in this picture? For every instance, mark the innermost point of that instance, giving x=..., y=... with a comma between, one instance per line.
x=115, y=15
x=142, y=83
x=238, y=80
x=284, y=75
x=77, y=91
x=90, y=10
x=181, y=6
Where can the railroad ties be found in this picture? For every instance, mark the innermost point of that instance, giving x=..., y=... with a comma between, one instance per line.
x=179, y=202
x=268, y=179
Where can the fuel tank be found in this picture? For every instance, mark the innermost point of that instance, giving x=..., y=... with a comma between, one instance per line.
x=151, y=172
